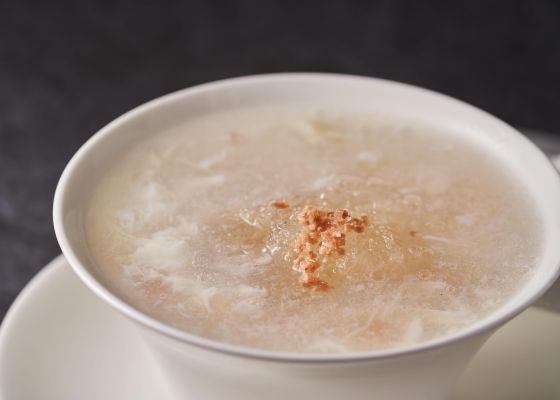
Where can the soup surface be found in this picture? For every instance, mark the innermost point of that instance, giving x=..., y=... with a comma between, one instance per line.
x=205, y=227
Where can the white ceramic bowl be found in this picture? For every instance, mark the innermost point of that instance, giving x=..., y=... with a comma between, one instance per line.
x=201, y=368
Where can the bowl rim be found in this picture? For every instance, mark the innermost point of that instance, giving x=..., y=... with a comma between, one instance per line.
x=491, y=322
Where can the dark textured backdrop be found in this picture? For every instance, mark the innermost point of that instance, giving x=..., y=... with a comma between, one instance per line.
x=66, y=69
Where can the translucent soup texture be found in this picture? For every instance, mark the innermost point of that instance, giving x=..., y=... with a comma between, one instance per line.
x=182, y=227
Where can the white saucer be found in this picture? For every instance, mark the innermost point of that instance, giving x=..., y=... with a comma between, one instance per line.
x=58, y=341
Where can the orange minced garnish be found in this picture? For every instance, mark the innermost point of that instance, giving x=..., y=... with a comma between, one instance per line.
x=280, y=204
x=323, y=234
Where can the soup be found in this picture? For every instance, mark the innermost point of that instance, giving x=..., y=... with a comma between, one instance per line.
x=312, y=230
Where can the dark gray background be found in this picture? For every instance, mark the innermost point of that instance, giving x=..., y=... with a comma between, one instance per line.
x=67, y=69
